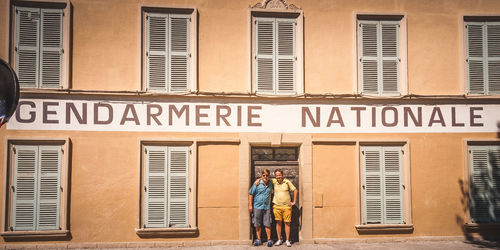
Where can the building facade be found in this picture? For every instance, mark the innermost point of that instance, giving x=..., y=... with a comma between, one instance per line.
x=148, y=120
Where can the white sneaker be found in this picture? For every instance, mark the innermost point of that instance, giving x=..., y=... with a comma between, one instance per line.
x=288, y=244
x=278, y=243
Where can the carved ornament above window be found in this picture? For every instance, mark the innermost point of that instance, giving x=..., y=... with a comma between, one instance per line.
x=275, y=4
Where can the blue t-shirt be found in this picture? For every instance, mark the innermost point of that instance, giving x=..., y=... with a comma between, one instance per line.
x=261, y=195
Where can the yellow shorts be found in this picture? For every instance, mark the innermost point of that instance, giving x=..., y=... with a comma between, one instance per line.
x=282, y=213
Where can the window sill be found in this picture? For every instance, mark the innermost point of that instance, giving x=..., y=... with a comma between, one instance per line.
x=478, y=227
x=385, y=228
x=166, y=232
x=22, y=235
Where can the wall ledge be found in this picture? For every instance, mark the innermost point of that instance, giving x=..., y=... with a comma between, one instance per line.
x=34, y=235
x=384, y=228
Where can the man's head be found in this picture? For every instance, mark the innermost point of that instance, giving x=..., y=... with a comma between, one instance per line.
x=265, y=175
x=278, y=173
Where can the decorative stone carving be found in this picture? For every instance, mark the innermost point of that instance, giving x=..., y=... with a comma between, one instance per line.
x=275, y=4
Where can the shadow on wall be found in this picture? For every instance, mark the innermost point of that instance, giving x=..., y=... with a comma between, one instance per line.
x=482, y=232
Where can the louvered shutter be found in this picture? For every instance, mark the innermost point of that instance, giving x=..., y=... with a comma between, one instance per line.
x=156, y=51
x=27, y=46
x=475, y=58
x=155, y=187
x=393, y=199
x=479, y=184
x=179, y=53
x=286, y=55
x=264, y=55
x=49, y=188
x=369, y=57
x=390, y=57
x=373, y=196
x=24, y=188
x=494, y=157
x=178, y=187
x=493, y=36
x=51, y=48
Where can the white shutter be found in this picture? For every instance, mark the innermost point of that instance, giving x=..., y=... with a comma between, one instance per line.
x=393, y=193
x=494, y=157
x=475, y=58
x=286, y=55
x=51, y=48
x=369, y=57
x=390, y=57
x=27, y=46
x=156, y=51
x=373, y=196
x=264, y=54
x=155, y=187
x=49, y=188
x=24, y=188
x=479, y=184
x=178, y=186
x=179, y=53
x=493, y=36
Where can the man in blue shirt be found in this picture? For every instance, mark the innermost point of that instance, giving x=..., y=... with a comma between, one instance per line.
x=3, y=111
x=259, y=202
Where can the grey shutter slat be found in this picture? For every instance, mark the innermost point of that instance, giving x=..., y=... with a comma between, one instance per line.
x=479, y=184
x=156, y=51
x=265, y=55
x=369, y=57
x=286, y=55
x=155, y=183
x=390, y=58
x=475, y=59
x=51, y=48
x=493, y=36
x=494, y=157
x=48, y=186
x=24, y=188
x=27, y=46
x=373, y=211
x=178, y=186
x=393, y=193
x=179, y=53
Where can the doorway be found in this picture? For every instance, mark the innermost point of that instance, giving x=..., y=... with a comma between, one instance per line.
x=285, y=158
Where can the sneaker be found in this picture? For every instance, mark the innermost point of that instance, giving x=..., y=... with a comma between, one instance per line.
x=269, y=243
x=288, y=244
x=257, y=242
x=278, y=243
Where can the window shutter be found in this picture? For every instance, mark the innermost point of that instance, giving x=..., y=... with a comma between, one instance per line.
x=27, y=46
x=155, y=187
x=23, y=190
x=286, y=55
x=51, y=48
x=392, y=185
x=475, y=58
x=49, y=188
x=390, y=57
x=493, y=35
x=179, y=53
x=494, y=156
x=265, y=54
x=156, y=51
x=369, y=57
x=479, y=184
x=178, y=186
x=372, y=185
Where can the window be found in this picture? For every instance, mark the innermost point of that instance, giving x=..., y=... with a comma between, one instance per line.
x=169, y=45
x=37, y=188
x=483, y=57
x=380, y=51
x=382, y=185
x=40, y=44
x=485, y=183
x=166, y=189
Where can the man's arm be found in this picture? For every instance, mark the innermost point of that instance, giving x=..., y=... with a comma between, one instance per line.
x=250, y=203
x=295, y=192
x=256, y=183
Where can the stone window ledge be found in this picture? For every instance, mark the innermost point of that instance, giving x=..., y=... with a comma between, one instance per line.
x=384, y=228
x=475, y=227
x=20, y=235
x=166, y=232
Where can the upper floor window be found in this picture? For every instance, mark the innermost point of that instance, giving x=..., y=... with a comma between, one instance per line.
x=380, y=55
x=168, y=50
x=277, y=49
x=483, y=57
x=40, y=44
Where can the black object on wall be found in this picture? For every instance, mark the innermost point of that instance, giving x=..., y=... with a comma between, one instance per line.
x=9, y=89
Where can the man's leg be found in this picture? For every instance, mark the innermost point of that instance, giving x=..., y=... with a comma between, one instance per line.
x=287, y=218
x=268, y=232
x=278, y=229
x=259, y=230
x=287, y=230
